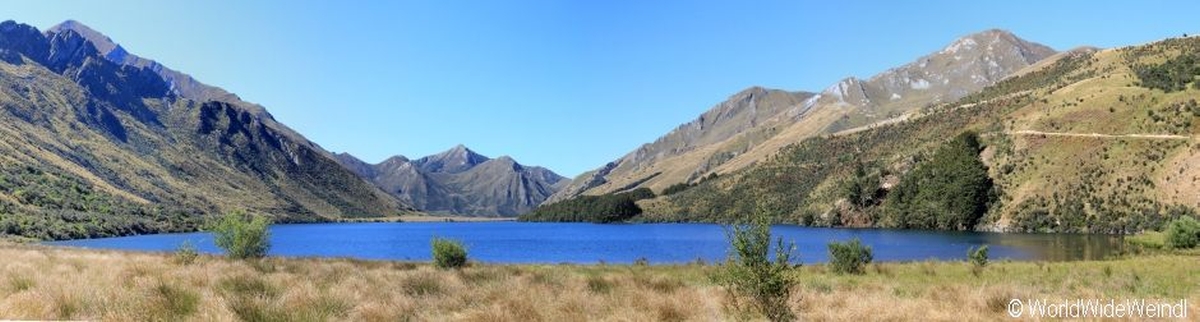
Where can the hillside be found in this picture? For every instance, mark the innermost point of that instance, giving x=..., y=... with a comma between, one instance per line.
x=100, y=143
x=460, y=181
x=756, y=123
x=1092, y=141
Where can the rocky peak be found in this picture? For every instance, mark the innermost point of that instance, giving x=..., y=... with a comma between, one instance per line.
x=457, y=159
x=103, y=43
x=18, y=39
x=966, y=65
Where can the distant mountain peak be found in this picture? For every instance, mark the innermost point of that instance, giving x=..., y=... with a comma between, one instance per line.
x=103, y=43
x=394, y=160
x=993, y=41
x=456, y=159
x=465, y=154
x=460, y=148
x=755, y=123
x=461, y=181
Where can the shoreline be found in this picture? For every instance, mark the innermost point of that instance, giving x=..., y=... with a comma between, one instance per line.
x=424, y=218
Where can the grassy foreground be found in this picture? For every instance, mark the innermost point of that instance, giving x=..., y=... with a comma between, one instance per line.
x=38, y=282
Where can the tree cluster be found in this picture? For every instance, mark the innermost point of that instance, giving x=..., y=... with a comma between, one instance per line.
x=599, y=209
x=950, y=191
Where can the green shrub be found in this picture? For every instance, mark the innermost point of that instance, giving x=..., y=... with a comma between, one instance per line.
x=978, y=258
x=448, y=253
x=849, y=257
x=753, y=279
x=242, y=236
x=186, y=254
x=1183, y=233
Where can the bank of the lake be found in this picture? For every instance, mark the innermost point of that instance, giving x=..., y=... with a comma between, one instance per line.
x=585, y=243
x=44, y=282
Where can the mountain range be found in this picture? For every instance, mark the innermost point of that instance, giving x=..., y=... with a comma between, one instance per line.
x=757, y=122
x=990, y=133
x=98, y=142
x=101, y=142
x=460, y=181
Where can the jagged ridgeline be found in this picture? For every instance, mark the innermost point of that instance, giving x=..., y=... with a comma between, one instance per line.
x=100, y=142
x=460, y=181
x=1085, y=141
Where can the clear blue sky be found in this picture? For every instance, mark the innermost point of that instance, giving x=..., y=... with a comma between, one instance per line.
x=565, y=84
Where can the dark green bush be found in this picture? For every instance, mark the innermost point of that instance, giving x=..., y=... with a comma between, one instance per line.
x=862, y=188
x=676, y=188
x=1183, y=233
x=242, y=236
x=753, y=279
x=1172, y=75
x=850, y=257
x=448, y=253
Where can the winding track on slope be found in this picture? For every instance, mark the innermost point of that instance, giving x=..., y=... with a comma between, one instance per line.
x=1099, y=135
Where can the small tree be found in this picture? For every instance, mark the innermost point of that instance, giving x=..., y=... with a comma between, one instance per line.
x=186, y=253
x=849, y=257
x=1183, y=233
x=978, y=258
x=753, y=279
x=448, y=253
x=242, y=236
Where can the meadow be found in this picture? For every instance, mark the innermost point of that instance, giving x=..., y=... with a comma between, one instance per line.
x=42, y=282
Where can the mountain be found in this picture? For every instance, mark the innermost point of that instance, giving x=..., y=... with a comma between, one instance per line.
x=756, y=123
x=100, y=142
x=1085, y=141
x=460, y=181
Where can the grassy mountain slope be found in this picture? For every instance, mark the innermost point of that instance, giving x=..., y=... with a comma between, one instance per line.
x=756, y=123
x=1089, y=142
x=94, y=148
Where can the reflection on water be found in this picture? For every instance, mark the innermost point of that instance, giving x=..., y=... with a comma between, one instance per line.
x=1060, y=247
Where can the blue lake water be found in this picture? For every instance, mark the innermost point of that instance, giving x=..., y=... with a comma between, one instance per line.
x=519, y=242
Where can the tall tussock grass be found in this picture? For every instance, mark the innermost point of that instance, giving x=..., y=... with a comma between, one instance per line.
x=47, y=283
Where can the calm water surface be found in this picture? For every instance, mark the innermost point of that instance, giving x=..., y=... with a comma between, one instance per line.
x=519, y=242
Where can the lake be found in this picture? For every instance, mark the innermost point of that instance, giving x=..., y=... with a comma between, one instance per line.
x=521, y=242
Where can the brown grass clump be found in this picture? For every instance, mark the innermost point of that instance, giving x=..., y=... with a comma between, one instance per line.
x=39, y=283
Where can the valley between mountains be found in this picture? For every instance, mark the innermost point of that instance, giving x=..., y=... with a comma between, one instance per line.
x=991, y=132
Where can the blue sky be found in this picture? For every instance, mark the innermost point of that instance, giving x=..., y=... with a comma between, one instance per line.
x=569, y=85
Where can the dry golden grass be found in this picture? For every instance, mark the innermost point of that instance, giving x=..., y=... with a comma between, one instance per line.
x=61, y=283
